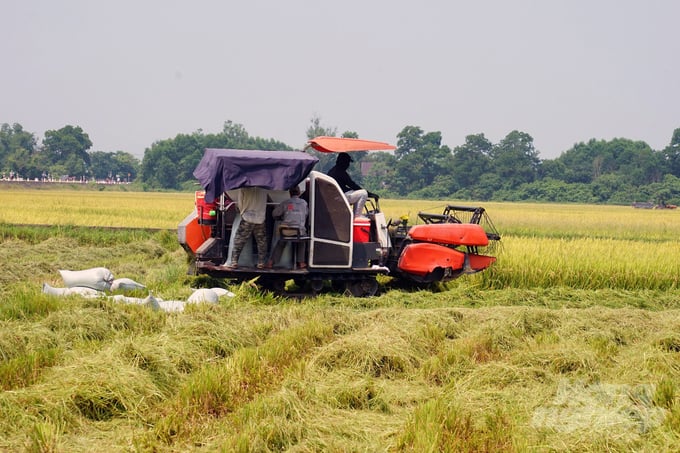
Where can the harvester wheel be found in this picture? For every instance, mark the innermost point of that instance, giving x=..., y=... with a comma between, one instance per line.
x=338, y=286
x=317, y=285
x=363, y=288
x=277, y=285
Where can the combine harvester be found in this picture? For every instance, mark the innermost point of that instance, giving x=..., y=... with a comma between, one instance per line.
x=346, y=252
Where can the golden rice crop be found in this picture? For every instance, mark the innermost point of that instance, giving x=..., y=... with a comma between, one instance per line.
x=575, y=221
x=586, y=263
x=166, y=210
x=543, y=245
x=89, y=208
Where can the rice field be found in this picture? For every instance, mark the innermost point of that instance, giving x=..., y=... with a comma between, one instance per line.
x=543, y=245
x=569, y=343
x=95, y=208
x=165, y=210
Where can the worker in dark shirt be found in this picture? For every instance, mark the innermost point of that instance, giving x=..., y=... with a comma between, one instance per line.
x=356, y=196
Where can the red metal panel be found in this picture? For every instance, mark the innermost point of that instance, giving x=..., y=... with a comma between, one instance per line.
x=450, y=233
x=196, y=234
x=422, y=258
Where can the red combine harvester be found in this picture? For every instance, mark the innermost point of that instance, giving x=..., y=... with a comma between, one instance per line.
x=347, y=252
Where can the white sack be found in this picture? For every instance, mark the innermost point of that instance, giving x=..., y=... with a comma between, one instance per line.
x=164, y=305
x=47, y=289
x=128, y=300
x=126, y=284
x=223, y=292
x=96, y=278
x=78, y=290
x=203, y=295
x=171, y=306
x=151, y=302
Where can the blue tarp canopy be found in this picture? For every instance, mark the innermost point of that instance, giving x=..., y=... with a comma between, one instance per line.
x=226, y=169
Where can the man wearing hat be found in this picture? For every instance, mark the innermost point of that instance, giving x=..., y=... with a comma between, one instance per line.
x=355, y=195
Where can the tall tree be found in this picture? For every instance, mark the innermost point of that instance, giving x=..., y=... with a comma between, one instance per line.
x=379, y=177
x=671, y=154
x=68, y=147
x=583, y=162
x=420, y=159
x=315, y=129
x=586, y=162
x=471, y=160
x=515, y=160
x=409, y=140
x=17, y=150
x=114, y=165
x=638, y=162
x=170, y=162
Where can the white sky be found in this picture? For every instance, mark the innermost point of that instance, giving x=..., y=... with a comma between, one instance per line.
x=134, y=72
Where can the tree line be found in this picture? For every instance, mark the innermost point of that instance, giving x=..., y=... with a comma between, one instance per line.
x=618, y=171
x=63, y=155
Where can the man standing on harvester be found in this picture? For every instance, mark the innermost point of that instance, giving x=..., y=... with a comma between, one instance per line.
x=252, y=203
x=356, y=196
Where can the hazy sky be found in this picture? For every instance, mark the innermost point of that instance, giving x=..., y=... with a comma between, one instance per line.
x=134, y=72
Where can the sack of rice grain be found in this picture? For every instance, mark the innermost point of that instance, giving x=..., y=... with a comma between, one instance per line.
x=96, y=278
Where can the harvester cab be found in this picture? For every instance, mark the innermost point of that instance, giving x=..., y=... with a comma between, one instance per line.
x=343, y=252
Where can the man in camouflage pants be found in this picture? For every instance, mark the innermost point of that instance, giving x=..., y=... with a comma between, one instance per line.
x=252, y=202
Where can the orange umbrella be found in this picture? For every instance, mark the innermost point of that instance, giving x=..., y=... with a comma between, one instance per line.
x=343, y=145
